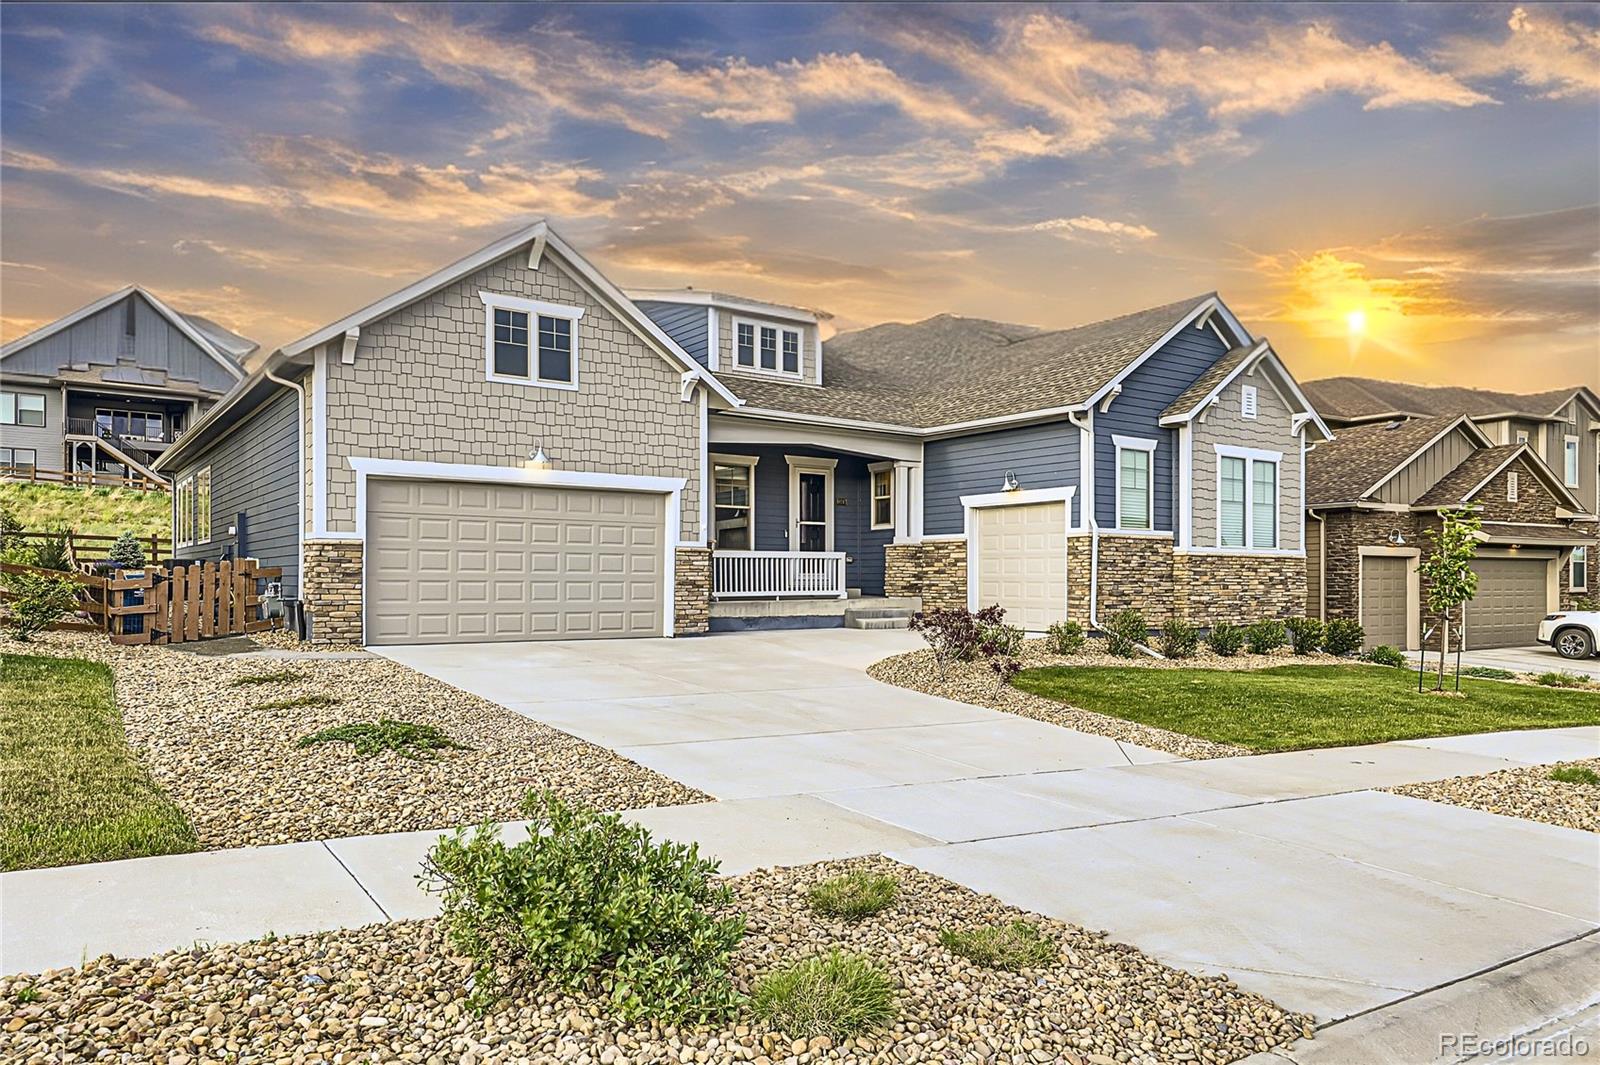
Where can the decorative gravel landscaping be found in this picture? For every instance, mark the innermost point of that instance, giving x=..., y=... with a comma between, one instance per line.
x=1557, y=795
x=228, y=754
x=395, y=992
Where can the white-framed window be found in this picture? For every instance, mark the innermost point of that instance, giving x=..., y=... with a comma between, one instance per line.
x=766, y=348
x=191, y=500
x=1249, y=401
x=1522, y=436
x=19, y=458
x=1512, y=486
x=882, y=495
x=1579, y=572
x=528, y=342
x=21, y=408
x=733, y=493
x=1570, y=465
x=1248, y=509
x=1136, y=458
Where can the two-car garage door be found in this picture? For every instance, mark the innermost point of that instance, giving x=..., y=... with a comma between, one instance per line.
x=450, y=560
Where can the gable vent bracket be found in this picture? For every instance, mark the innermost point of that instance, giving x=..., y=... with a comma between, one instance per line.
x=351, y=337
x=536, y=252
x=1105, y=404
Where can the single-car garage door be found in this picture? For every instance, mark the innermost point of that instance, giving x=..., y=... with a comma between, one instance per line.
x=1513, y=595
x=449, y=560
x=1384, y=607
x=1022, y=562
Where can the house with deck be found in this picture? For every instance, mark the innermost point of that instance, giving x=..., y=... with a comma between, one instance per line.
x=514, y=448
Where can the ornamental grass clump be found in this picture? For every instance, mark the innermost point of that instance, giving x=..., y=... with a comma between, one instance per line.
x=405, y=738
x=853, y=896
x=1575, y=774
x=837, y=995
x=589, y=903
x=1558, y=678
x=1343, y=636
x=1012, y=947
x=1065, y=638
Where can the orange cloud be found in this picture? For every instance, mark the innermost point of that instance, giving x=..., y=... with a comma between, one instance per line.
x=1540, y=51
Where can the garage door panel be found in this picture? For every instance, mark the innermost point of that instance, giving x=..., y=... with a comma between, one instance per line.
x=1022, y=562
x=483, y=562
x=1385, y=610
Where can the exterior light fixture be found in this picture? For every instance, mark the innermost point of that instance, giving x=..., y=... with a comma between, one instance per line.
x=1010, y=484
x=1397, y=538
x=538, y=461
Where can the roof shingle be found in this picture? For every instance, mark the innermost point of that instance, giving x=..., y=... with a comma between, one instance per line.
x=1365, y=397
x=1344, y=469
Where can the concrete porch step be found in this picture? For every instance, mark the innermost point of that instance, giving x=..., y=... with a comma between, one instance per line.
x=877, y=618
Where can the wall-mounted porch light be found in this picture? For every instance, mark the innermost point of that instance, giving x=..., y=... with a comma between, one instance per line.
x=1397, y=538
x=1010, y=484
x=538, y=461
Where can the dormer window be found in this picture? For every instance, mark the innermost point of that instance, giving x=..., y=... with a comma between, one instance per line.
x=763, y=348
x=528, y=342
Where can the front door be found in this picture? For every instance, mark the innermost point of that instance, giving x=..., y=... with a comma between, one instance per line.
x=811, y=511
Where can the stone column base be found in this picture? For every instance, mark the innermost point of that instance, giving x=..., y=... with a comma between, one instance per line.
x=331, y=588
x=935, y=570
x=691, y=596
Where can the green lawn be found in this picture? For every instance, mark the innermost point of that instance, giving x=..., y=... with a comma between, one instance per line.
x=70, y=789
x=1289, y=708
x=91, y=511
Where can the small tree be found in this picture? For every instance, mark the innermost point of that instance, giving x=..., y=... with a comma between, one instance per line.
x=38, y=601
x=126, y=551
x=1448, y=573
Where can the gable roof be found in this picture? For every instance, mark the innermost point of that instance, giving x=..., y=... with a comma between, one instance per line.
x=1194, y=400
x=1459, y=486
x=1365, y=398
x=225, y=347
x=949, y=370
x=700, y=297
x=1351, y=466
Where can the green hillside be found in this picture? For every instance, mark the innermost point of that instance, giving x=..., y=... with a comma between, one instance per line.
x=106, y=511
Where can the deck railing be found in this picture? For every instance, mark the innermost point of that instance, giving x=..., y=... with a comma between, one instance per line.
x=777, y=574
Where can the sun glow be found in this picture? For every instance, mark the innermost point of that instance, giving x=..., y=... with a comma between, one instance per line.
x=1356, y=321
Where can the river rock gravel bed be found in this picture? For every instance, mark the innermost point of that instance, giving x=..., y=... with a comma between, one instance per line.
x=394, y=993
x=1526, y=792
x=233, y=767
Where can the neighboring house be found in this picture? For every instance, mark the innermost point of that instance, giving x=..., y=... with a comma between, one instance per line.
x=97, y=396
x=1376, y=492
x=512, y=448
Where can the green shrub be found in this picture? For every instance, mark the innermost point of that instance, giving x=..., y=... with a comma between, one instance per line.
x=1386, y=655
x=1013, y=946
x=1575, y=774
x=416, y=742
x=1178, y=639
x=276, y=676
x=51, y=552
x=853, y=895
x=9, y=527
x=1126, y=632
x=1343, y=636
x=1305, y=635
x=1065, y=638
x=1489, y=673
x=126, y=550
x=588, y=902
x=999, y=640
x=836, y=995
x=38, y=601
x=1225, y=639
x=1585, y=602
x=1557, y=678
x=1265, y=636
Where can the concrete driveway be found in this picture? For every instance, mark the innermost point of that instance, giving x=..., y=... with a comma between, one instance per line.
x=1534, y=658
x=1286, y=871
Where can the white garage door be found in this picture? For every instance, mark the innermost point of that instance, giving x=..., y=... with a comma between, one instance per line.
x=1022, y=562
x=450, y=561
x=1513, y=596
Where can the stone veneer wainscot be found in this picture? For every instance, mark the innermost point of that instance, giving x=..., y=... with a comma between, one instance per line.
x=332, y=590
x=692, y=594
x=935, y=570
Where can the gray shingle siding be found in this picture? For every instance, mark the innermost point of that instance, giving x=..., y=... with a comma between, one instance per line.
x=1146, y=392
x=1041, y=456
x=684, y=323
x=254, y=481
x=852, y=522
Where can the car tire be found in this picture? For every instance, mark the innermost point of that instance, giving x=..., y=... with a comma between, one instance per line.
x=1574, y=643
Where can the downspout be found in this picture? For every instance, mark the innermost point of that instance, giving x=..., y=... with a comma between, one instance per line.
x=300, y=479
x=1086, y=504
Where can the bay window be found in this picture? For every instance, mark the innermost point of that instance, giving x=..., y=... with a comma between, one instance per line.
x=1247, y=498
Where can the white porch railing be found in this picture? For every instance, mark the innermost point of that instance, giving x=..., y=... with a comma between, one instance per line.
x=776, y=574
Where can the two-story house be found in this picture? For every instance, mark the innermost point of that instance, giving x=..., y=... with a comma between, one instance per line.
x=96, y=396
x=514, y=448
x=1527, y=464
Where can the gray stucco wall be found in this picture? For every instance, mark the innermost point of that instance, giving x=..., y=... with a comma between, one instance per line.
x=101, y=340
x=46, y=440
x=253, y=489
x=1270, y=430
x=1041, y=456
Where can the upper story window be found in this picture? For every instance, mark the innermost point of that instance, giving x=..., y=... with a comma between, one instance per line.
x=1570, y=466
x=1522, y=436
x=882, y=497
x=766, y=348
x=1135, y=483
x=1247, y=498
x=531, y=343
x=21, y=408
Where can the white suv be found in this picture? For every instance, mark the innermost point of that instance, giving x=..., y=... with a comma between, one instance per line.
x=1574, y=634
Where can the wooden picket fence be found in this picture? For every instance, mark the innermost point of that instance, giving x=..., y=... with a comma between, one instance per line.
x=179, y=604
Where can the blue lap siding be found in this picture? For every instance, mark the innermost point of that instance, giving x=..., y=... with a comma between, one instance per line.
x=1041, y=456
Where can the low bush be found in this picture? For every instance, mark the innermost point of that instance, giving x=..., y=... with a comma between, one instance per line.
x=1305, y=635
x=37, y=601
x=1343, y=636
x=1225, y=639
x=837, y=995
x=1004, y=670
x=1126, y=632
x=1558, y=678
x=408, y=740
x=1386, y=655
x=1585, y=602
x=853, y=895
x=588, y=902
x=1013, y=946
x=1489, y=673
x=1065, y=638
x=999, y=639
x=1178, y=639
x=1265, y=636
x=126, y=550
x=952, y=635
x=1575, y=774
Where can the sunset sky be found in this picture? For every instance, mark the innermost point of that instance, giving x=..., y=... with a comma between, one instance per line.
x=1410, y=192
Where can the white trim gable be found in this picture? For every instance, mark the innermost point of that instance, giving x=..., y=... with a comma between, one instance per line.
x=176, y=320
x=1211, y=306
x=1461, y=422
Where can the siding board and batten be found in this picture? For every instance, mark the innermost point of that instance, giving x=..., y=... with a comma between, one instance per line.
x=101, y=340
x=1428, y=468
